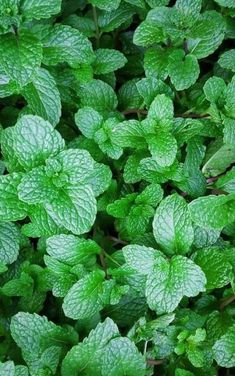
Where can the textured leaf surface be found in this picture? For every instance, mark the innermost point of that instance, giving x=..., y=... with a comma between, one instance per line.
x=224, y=349
x=35, y=140
x=108, y=60
x=84, y=298
x=20, y=56
x=43, y=96
x=37, y=9
x=213, y=211
x=62, y=43
x=11, y=208
x=74, y=210
x=9, y=242
x=172, y=225
x=170, y=281
x=216, y=267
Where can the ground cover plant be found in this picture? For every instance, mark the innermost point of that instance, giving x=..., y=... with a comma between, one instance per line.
x=117, y=187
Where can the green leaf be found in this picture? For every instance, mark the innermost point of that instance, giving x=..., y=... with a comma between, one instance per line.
x=111, y=20
x=226, y=3
x=37, y=9
x=219, y=161
x=7, y=369
x=101, y=350
x=172, y=226
x=9, y=242
x=36, y=187
x=189, y=8
x=141, y=258
x=170, y=281
x=229, y=131
x=20, y=56
x=71, y=249
x=62, y=43
x=227, y=60
x=35, y=140
x=214, y=89
x=183, y=70
x=161, y=110
x=73, y=209
x=122, y=357
x=183, y=372
x=151, y=195
x=213, y=212
x=98, y=95
x=43, y=96
x=41, y=223
x=106, y=4
x=149, y=88
x=121, y=208
x=32, y=332
x=84, y=299
x=129, y=133
x=156, y=62
x=108, y=60
x=11, y=208
x=227, y=182
x=147, y=33
x=224, y=349
x=7, y=86
x=207, y=34
x=88, y=121
x=216, y=267
x=163, y=147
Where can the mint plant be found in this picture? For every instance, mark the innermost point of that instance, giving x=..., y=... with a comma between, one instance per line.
x=117, y=187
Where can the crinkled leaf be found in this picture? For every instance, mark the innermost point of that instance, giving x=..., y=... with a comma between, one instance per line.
x=170, y=281
x=20, y=56
x=172, y=226
x=43, y=97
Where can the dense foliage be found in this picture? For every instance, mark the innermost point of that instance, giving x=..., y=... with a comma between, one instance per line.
x=117, y=187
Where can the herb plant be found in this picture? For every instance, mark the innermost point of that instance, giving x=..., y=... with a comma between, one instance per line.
x=117, y=187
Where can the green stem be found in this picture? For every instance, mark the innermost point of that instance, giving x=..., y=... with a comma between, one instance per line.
x=97, y=32
x=111, y=259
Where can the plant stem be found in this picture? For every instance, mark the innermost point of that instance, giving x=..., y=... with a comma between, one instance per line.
x=145, y=112
x=97, y=32
x=153, y=362
x=111, y=259
x=227, y=301
x=117, y=240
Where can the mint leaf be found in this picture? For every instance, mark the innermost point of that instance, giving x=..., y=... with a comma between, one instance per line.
x=121, y=354
x=88, y=121
x=212, y=212
x=226, y=60
x=224, y=349
x=33, y=9
x=99, y=95
x=183, y=70
x=108, y=60
x=43, y=96
x=84, y=299
x=172, y=226
x=20, y=56
x=73, y=209
x=71, y=249
x=170, y=281
x=216, y=267
x=62, y=43
x=9, y=242
x=35, y=140
x=11, y=208
x=105, y=4
x=100, y=343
